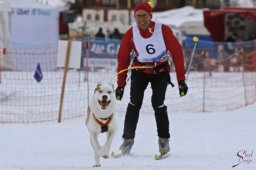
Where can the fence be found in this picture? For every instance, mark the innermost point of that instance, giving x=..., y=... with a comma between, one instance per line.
x=222, y=78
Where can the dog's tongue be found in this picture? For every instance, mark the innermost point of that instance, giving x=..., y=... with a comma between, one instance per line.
x=104, y=103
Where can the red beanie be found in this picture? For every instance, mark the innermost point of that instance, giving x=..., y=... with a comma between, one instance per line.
x=145, y=7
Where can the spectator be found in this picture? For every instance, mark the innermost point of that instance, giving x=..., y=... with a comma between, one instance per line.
x=210, y=63
x=63, y=27
x=100, y=34
x=116, y=34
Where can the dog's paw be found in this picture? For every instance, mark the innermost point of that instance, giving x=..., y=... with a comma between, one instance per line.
x=104, y=150
x=106, y=156
x=96, y=165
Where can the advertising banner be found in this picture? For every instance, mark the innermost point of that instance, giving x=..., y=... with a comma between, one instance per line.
x=100, y=48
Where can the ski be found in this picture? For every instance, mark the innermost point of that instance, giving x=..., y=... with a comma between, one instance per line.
x=157, y=156
x=113, y=155
x=161, y=156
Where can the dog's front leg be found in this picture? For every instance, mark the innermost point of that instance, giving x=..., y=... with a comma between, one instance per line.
x=96, y=147
x=104, y=151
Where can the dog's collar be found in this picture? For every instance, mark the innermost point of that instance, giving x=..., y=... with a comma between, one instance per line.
x=108, y=120
x=104, y=119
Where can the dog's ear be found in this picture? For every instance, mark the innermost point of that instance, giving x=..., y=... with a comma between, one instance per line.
x=112, y=85
x=98, y=87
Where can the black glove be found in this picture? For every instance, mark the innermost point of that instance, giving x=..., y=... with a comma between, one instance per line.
x=119, y=93
x=183, y=88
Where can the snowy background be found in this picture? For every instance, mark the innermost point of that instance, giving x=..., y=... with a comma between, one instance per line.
x=199, y=141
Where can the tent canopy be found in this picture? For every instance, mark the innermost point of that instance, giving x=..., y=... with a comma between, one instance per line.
x=187, y=19
x=231, y=24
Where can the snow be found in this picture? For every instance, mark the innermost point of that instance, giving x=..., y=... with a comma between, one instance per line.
x=199, y=141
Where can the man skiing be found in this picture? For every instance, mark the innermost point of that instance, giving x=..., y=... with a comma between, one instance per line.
x=151, y=41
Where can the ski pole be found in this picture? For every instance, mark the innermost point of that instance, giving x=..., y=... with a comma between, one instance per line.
x=195, y=39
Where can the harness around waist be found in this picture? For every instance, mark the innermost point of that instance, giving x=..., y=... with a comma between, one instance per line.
x=157, y=67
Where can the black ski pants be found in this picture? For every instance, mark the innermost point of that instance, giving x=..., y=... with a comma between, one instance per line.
x=139, y=82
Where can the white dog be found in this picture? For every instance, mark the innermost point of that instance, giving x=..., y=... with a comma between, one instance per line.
x=100, y=119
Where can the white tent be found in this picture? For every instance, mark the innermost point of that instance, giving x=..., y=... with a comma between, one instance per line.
x=187, y=19
x=34, y=29
x=60, y=4
x=33, y=23
x=4, y=24
x=242, y=3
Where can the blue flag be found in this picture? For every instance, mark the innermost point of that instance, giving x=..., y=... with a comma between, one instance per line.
x=38, y=73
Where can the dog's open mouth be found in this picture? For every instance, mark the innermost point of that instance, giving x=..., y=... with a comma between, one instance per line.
x=104, y=103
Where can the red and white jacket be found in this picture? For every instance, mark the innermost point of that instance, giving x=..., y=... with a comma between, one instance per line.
x=127, y=45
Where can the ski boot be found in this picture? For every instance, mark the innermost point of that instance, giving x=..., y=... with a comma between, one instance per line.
x=164, y=147
x=126, y=146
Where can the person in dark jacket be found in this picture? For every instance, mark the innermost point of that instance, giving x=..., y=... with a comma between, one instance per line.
x=100, y=34
x=115, y=34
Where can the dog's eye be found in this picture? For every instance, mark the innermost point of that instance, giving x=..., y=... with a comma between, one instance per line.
x=109, y=92
x=100, y=91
